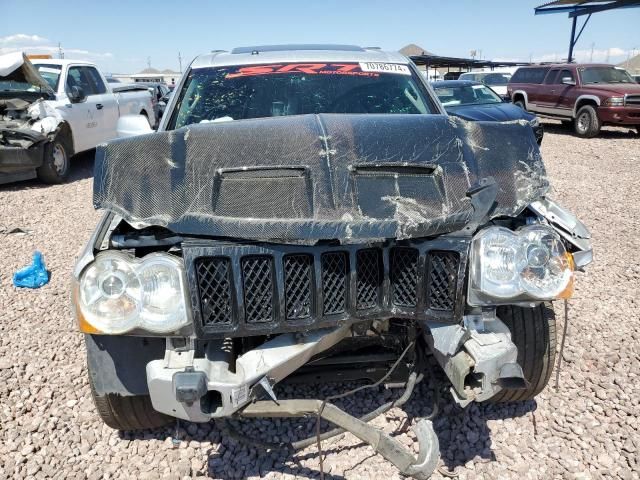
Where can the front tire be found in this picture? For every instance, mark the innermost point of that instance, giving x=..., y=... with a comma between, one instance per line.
x=127, y=413
x=56, y=163
x=520, y=103
x=533, y=330
x=587, y=123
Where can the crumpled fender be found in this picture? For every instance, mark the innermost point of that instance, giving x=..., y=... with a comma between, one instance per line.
x=47, y=118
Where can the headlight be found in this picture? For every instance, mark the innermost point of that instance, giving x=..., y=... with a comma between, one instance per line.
x=119, y=293
x=614, y=102
x=529, y=264
x=534, y=123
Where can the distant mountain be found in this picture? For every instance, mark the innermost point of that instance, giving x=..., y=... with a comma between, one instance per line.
x=413, y=49
x=632, y=65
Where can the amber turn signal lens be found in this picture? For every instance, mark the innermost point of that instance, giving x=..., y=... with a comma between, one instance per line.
x=567, y=293
x=83, y=325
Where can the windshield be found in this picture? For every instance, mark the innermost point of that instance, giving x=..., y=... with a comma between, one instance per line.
x=604, y=75
x=451, y=96
x=51, y=73
x=487, y=78
x=496, y=79
x=241, y=92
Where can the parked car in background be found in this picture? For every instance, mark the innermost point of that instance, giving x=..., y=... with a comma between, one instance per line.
x=496, y=80
x=52, y=109
x=159, y=92
x=584, y=96
x=452, y=75
x=112, y=80
x=475, y=101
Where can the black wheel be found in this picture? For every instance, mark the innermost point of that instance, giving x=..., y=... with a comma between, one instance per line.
x=587, y=124
x=520, y=103
x=568, y=123
x=56, y=163
x=128, y=413
x=533, y=330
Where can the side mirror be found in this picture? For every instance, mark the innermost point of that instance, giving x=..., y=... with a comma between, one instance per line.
x=132, y=125
x=76, y=94
x=568, y=81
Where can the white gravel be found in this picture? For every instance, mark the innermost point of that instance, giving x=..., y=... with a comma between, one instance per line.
x=589, y=428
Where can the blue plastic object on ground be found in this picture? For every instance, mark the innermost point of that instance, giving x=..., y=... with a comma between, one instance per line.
x=34, y=275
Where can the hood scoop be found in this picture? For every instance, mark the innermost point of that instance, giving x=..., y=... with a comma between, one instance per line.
x=263, y=192
x=398, y=186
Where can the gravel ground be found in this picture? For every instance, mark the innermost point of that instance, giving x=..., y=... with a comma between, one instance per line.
x=589, y=428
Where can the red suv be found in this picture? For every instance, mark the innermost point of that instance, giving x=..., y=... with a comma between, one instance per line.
x=584, y=96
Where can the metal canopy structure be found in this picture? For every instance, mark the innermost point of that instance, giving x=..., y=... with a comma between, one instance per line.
x=436, y=61
x=579, y=8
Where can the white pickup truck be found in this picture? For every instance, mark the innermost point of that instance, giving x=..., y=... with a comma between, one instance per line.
x=52, y=109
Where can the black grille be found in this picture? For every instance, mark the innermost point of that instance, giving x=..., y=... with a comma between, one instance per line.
x=334, y=283
x=368, y=278
x=214, y=285
x=257, y=280
x=404, y=277
x=442, y=275
x=633, y=100
x=267, y=289
x=298, y=282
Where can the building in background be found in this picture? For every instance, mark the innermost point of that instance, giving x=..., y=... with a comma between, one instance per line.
x=167, y=76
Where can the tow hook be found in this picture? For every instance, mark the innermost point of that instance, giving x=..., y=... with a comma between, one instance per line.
x=421, y=467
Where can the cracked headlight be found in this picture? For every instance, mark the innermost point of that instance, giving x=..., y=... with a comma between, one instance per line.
x=118, y=293
x=528, y=264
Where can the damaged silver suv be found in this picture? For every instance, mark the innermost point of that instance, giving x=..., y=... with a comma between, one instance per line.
x=312, y=211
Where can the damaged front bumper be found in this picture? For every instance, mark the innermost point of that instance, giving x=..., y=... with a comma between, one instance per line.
x=21, y=152
x=478, y=357
x=199, y=389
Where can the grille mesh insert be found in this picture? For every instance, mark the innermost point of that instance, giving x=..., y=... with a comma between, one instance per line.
x=214, y=285
x=257, y=280
x=334, y=283
x=404, y=277
x=298, y=284
x=442, y=275
x=368, y=278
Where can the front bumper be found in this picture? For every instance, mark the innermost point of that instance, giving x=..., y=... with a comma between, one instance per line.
x=17, y=163
x=619, y=115
x=214, y=386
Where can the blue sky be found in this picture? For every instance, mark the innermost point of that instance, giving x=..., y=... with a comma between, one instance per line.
x=121, y=36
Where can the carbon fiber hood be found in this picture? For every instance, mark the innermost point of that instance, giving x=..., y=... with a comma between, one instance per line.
x=313, y=177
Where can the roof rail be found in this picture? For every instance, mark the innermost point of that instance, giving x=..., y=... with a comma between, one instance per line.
x=254, y=50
